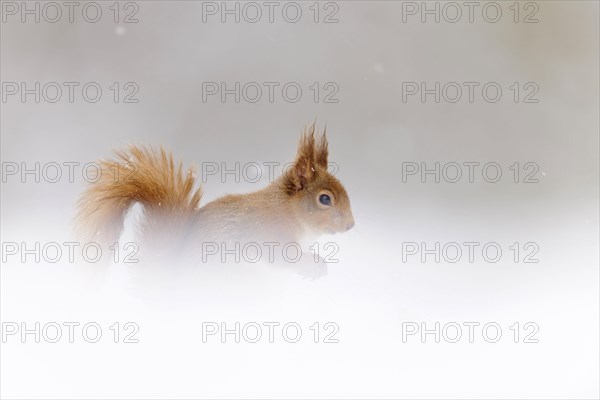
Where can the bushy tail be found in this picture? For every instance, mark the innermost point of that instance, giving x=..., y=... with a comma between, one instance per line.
x=138, y=175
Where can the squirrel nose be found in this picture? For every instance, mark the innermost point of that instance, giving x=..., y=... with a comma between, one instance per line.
x=350, y=225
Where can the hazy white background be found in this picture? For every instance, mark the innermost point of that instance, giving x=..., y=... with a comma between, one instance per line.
x=370, y=292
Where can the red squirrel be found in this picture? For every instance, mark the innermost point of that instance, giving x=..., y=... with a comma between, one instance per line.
x=306, y=201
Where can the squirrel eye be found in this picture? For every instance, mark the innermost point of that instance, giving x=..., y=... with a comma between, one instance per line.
x=325, y=200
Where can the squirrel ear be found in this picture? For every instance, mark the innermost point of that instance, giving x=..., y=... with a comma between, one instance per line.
x=299, y=175
x=321, y=151
x=304, y=170
x=304, y=165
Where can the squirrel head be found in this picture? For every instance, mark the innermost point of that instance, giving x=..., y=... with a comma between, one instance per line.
x=318, y=196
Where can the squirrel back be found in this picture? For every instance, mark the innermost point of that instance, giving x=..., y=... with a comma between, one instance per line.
x=305, y=201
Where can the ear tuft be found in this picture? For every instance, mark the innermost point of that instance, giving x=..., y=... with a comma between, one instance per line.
x=321, y=151
x=307, y=143
x=309, y=155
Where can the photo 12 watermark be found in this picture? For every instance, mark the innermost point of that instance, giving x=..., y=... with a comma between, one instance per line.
x=269, y=332
x=251, y=171
x=69, y=332
x=469, y=332
x=52, y=12
x=453, y=12
x=472, y=252
x=69, y=252
x=252, y=12
x=89, y=92
x=269, y=252
x=470, y=92
x=66, y=172
x=270, y=92
x=471, y=172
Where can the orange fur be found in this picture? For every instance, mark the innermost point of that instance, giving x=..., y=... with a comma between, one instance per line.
x=286, y=210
